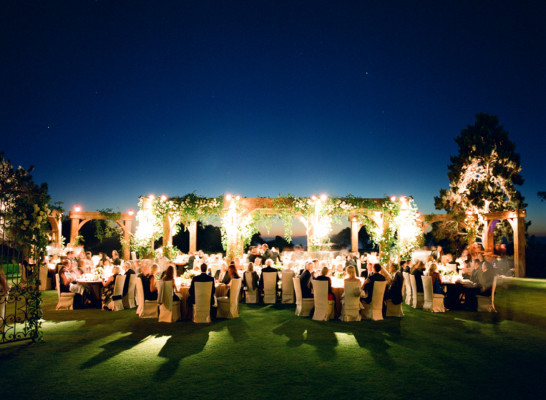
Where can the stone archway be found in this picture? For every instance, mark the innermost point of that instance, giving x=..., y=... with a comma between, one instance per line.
x=80, y=218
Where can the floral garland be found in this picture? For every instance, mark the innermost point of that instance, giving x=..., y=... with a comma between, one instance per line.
x=237, y=229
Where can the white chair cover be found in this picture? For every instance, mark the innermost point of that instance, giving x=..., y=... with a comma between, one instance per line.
x=416, y=298
x=324, y=308
x=408, y=299
x=394, y=310
x=169, y=310
x=303, y=306
x=146, y=308
x=374, y=310
x=43, y=278
x=129, y=298
x=288, y=287
x=201, y=308
x=432, y=302
x=487, y=303
x=66, y=300
x=252, y=292
x=228, y=307
x=350, y=304
x=270, y=287
x=117, y=298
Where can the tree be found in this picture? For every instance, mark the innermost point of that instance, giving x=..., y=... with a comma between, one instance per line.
x=483, y=175
x=542, y=196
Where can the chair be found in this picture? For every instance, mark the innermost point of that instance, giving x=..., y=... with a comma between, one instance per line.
x=350, y=304
x=201, y=308
x=228, y=307
x=324, y=308
x=408, y=299
x=169, y=310
x=303, y=306
x=270, y=287
x=252, y=292
x=417, y=299
x=44, y=281
x=66, y=300
x=117, y=303
x=374, y=310
x=287, y=284
x=393, y=310
x=487, y=303
x=146, y=308
x=129, y=299
x=432, y=301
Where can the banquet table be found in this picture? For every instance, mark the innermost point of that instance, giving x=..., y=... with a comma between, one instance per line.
x=454, y=293
x=94, y=289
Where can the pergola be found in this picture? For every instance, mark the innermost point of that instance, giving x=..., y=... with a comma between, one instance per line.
x=517, y=222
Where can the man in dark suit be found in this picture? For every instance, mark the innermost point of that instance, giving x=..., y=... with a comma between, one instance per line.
x=305, y=280
x=128, y=267
x=394, y=290
x=268, y=268
x=189, y=265
x=268, y=254
x=221, y=275
x=418, y=273
x=368, y=283
x=202, y=277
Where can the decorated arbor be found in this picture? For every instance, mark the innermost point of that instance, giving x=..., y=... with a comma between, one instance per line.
x=391, y=222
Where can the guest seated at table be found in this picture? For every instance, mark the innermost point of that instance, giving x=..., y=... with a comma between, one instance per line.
x=305, y=280
x=418, y=273
x=153, y=278
x=221, y=275
x=108, y=288
x=129, y=270
x=232, y=272
x=145, y=276
x=115, y=258
x=394, y=289
x=436, y=279
x=486, y=279
x=324, y=277
x=68, y=283
x=339, y=269
x=168, y=276
x=254, y=280
x=268, y=268
x=366, y=271
x=203, y=277
x=405, y=266
x=377, y=276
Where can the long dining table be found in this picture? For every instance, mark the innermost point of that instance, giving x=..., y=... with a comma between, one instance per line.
x=183, y=293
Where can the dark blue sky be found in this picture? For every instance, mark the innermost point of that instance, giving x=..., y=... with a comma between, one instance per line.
x=114, y=99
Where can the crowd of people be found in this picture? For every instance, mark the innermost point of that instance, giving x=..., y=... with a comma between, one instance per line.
x=477, y=273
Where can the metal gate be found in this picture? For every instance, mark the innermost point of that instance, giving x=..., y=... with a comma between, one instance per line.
x=20, y=301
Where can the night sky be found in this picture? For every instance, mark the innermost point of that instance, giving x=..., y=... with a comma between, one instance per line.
x=110, y=100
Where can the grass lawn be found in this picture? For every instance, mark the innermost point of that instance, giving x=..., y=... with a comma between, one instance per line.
x=269, y=353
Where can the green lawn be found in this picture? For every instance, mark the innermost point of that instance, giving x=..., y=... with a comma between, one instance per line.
x=269, y=353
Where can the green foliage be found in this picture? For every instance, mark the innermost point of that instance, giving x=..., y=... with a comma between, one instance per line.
x=104, y=228
x=483, y=175
x=542, y=196
x=25, y=220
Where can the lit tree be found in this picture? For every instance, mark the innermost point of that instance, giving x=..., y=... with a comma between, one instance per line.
x=483, y=175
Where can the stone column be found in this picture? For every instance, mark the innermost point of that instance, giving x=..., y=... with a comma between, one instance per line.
x=355, y=228
x=519, y=244
x=193, y=236
x=74, y=229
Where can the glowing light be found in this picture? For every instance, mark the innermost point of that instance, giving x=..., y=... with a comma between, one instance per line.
x=393, y=198
x=77, y=208
x=163, y=197
x=130, y=212
x=228, y=197
x=151, y=196
x=314, y=198
x=402, y=198
x=238, y=198
x=323, y=197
